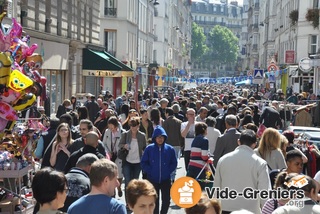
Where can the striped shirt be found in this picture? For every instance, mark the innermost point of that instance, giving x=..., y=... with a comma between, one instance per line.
x=199, y=151
x=270, y=206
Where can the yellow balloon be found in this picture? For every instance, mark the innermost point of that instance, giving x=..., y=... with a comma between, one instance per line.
x=18, y=81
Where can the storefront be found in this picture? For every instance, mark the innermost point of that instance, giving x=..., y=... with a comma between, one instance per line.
x=103, y=72
x=54, y=68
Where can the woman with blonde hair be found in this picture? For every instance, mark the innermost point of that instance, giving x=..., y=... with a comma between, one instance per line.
x=269, y=149
x=60, y=152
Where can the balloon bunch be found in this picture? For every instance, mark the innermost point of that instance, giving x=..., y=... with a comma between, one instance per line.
x=20, y=142
x=20, y=81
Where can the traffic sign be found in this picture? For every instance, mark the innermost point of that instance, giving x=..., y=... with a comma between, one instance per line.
x=305, y=64
x=258, y=73
x=258, y=76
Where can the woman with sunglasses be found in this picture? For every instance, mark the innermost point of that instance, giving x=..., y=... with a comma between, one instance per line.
x=60, y=152
x=135, y=142
x=132, y=113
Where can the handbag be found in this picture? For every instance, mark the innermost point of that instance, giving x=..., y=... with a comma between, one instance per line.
x=114, y=156
x=122, y=153
x=261, y=130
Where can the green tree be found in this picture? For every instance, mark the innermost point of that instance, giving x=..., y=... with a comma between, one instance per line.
x=199, y=47
x=223, y=45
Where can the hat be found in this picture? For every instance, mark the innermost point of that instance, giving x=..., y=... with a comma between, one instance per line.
x=274, y=102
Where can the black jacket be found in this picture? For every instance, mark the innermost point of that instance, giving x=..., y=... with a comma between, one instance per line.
x=79, y=143
x=270, y=118
x=77, y=154
x=78, y=184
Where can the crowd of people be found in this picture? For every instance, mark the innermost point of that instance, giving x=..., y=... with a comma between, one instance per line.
x=91, y=148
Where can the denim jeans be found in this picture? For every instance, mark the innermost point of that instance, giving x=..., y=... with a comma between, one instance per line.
x=130, y=171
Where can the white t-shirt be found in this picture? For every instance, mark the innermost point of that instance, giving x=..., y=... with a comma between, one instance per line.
x=212, y=136
x=133, y=155
x=190, y=136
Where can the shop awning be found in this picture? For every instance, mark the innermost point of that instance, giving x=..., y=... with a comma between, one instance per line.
x=100, y=60
x=118, y=62
x=97, y=60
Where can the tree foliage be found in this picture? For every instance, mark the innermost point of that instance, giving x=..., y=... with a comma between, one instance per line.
x=199, y=47
x=223, y=45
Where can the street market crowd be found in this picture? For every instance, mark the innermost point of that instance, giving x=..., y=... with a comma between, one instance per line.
x=89, y=149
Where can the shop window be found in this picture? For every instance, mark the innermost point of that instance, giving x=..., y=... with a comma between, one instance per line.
x=54, y=88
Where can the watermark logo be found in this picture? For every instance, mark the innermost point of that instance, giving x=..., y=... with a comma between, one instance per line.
x=185, y=192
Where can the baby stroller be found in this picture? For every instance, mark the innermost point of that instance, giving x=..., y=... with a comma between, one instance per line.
x=210, y=171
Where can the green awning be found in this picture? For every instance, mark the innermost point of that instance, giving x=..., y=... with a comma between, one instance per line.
x=98, y=60
x=101, y=60
x=118, y=62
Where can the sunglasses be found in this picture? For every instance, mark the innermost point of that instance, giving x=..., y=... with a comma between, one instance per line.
x=133, y=125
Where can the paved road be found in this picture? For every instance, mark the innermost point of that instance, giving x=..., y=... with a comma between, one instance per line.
x=173, y=209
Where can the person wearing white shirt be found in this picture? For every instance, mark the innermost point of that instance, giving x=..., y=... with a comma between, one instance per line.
x=188, y=132
x=213, y=133
x=242, y=169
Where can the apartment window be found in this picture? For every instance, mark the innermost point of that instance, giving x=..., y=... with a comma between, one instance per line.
x=110, y=37
x=314, y=44
x=214, y=8
x=222, y=9
x=110, y=8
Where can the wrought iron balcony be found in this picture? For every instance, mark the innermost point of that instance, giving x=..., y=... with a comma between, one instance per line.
x=110, y=11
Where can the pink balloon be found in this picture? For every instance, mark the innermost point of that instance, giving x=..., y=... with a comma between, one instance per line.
x=16, y=29
x=29, y=51
x=5, y=42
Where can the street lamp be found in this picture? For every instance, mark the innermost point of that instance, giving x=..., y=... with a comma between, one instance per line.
x=155, y=3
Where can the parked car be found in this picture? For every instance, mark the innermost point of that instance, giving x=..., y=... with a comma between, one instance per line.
x=302, y=129
x=311, y=137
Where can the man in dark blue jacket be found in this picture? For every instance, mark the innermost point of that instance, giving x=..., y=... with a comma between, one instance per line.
x=158, y=162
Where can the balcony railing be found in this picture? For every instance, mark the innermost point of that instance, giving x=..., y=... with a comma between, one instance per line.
x=255, y=47
x=110, y=11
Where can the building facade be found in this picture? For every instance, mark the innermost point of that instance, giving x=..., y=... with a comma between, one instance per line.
x=61, y=29
x=286, y=36
x=172, y=24
x=207, y=14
